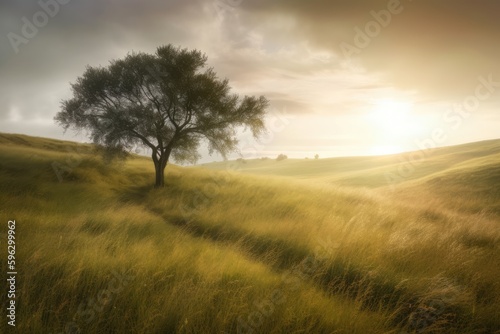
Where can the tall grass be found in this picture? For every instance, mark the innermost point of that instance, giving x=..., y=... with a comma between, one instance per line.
x=214, y=252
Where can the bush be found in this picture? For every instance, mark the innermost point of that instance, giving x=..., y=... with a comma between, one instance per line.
x=281, y=157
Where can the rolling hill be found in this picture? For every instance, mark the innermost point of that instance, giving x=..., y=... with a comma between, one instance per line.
x=322, y=246
x=373, y=171
x=472, y=170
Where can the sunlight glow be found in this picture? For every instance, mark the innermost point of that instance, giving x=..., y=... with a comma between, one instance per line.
x=393, y=116
x=394, y=124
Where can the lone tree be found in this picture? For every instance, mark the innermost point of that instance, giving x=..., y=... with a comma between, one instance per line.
x=168, y=102
x=281, y=157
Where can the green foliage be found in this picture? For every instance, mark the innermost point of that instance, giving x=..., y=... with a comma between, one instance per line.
x=167, y=102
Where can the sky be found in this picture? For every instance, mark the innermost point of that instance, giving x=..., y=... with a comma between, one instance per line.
x=344, y=77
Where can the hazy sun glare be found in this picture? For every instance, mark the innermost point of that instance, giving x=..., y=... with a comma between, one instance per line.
x=393, y=124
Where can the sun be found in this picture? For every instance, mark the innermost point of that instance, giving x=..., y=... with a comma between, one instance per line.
x=393, y=123
x=392, y=116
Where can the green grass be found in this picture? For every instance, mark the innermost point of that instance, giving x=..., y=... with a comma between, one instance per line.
x=218, y=251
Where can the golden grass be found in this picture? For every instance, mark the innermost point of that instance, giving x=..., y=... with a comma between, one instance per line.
x=218, y=252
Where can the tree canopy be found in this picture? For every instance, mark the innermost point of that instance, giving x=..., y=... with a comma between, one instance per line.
x=169, y=102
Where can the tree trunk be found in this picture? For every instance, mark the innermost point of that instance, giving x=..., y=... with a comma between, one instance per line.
x=160, y=165
x=160, y=175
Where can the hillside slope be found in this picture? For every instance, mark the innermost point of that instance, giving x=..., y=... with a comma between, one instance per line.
x=371, y=171
x=471, y=171
x=99, y=250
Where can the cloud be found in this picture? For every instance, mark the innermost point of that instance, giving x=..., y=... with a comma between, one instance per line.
x=82, y=33
x=431, y=53
x=438, y=48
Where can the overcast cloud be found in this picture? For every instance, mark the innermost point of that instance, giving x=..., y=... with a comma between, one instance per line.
x=430, y=53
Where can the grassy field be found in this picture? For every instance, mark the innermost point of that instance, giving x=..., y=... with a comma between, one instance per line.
x=312, y=246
